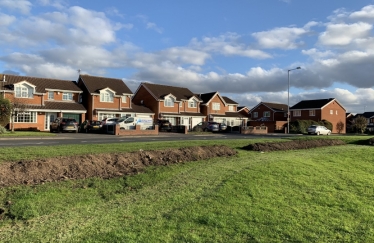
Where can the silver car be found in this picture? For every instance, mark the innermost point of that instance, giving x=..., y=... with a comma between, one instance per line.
x=318, y=130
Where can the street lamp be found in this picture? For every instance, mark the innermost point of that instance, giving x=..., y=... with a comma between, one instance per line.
x=288, y=100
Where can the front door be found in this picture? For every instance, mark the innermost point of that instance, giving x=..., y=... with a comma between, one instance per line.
x=49, y=117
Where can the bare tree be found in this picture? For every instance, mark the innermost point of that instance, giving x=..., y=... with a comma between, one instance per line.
x=360, y=124
x=340, y=126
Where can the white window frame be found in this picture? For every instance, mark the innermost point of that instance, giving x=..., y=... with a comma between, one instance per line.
x=67, y=96
x=124, y=99
x=312, y=112
x=331, y=112
x=216, y=106
x=296, y=113
x=231, y=108
x=266, y=113
x=51, y=95
x=169, y=102
x=192, y=104
x=336, y=112
x=106, y=96
x=181, y=104
x=25, y=117
x=23, y=91
x=255, y=114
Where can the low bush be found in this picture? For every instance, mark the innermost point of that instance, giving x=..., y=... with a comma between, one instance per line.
x=3, y=130
x=301, y=126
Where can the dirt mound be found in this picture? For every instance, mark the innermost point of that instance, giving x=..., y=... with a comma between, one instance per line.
x=101, y=165
x=291, y=145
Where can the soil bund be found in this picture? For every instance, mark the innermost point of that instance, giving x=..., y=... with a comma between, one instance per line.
x=292, y=145
x=101, y=165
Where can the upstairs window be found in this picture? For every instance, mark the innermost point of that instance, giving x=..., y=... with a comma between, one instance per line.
x=231, y=108
x=51, y=95
x=266, y=113
x=297, y=113
x=192, y=104
x=255, y=114
x=169, y=102
x=67, y=96
x=23, y=91
x=124, y=99
x=216, y=106
x=106, y=96
x=331, y=112
x=312, y=113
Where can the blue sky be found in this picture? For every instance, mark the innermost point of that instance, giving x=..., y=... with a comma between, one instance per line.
x=240, y=48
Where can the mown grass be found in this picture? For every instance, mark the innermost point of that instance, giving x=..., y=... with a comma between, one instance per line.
x=315, y=195
x=26, y=134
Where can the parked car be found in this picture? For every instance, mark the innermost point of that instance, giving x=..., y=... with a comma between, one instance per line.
x=207, y=126
x=63, y=124
x=90, y=126
x=130, y=122
x=164, y=125
x=318, y=130
x=222, y=127
x=107, y=121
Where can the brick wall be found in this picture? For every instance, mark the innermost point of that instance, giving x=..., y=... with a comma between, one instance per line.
x=134, y=132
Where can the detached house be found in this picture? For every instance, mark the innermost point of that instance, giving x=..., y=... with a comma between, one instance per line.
x=42, y=100
x=317, y=110
x=109, y=97
x=266, y=111
x=369, y=116
x=177, y=104
x=221, y=109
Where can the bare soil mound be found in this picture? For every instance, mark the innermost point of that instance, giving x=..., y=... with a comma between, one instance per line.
x=292, y=145
x=101, y=165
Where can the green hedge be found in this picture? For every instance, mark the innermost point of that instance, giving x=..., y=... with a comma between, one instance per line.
x=301, y=126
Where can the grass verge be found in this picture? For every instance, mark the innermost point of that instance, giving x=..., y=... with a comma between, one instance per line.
x=315, y=195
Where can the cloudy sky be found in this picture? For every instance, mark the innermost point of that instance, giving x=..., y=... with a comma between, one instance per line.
x=241, y=48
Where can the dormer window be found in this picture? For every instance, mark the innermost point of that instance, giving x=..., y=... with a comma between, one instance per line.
x=51, y=95
x=169, y=101
x=124, y=99
x=192, y=104
x=67, y=96
x=23, y=90
x=231, y=108
x=106, y=96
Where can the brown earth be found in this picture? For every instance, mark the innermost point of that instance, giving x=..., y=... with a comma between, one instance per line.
x=292, y=145
x=101, y=165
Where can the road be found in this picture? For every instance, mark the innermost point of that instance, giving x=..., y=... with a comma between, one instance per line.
x=91, y=138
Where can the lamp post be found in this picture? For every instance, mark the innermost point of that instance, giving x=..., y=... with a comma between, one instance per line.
x=288, y=100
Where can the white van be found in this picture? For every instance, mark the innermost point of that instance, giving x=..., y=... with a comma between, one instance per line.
x=130, y=122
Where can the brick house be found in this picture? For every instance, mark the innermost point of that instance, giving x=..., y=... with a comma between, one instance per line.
x=243, y=110
x=221, y=109
x=266, y=111
x=321, y=109
x=177, y=104
x=44, y=99
x=109, y=97
x=369, y=116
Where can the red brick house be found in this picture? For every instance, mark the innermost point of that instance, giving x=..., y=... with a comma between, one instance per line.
x=266, y=111
x=243, y=110
x=44, y=99
x=321, y=109
x=221, y=109
x=109, y=97
x=177, y=104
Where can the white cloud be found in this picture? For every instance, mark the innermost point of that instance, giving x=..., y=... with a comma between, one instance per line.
x=365, y=14
x=282, y=37
x=344, y=34
x=154, y=27
x=6, y=20
x=23, y=6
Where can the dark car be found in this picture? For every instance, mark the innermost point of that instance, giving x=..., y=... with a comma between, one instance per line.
x=107, y=121
x=207, y=127
x=63, y=124
x=164, y=125
x=90, y=126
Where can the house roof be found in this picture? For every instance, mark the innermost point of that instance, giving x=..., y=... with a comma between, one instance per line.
x=313, y=104
x=207, y=97
x=276, y=107
x=239, y=108
x=63, y=106
x=159, y=91
x=367, y=114
x=41, y=84
x=229, y=101
x=94, y=84
x=229, y=114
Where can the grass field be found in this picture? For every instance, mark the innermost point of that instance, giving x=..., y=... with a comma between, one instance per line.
x=315, y=195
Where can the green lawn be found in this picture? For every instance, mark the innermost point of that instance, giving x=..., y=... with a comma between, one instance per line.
x=315, y=195
x=26, y=134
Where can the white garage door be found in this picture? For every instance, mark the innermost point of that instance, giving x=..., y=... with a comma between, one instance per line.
x=196, y=121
